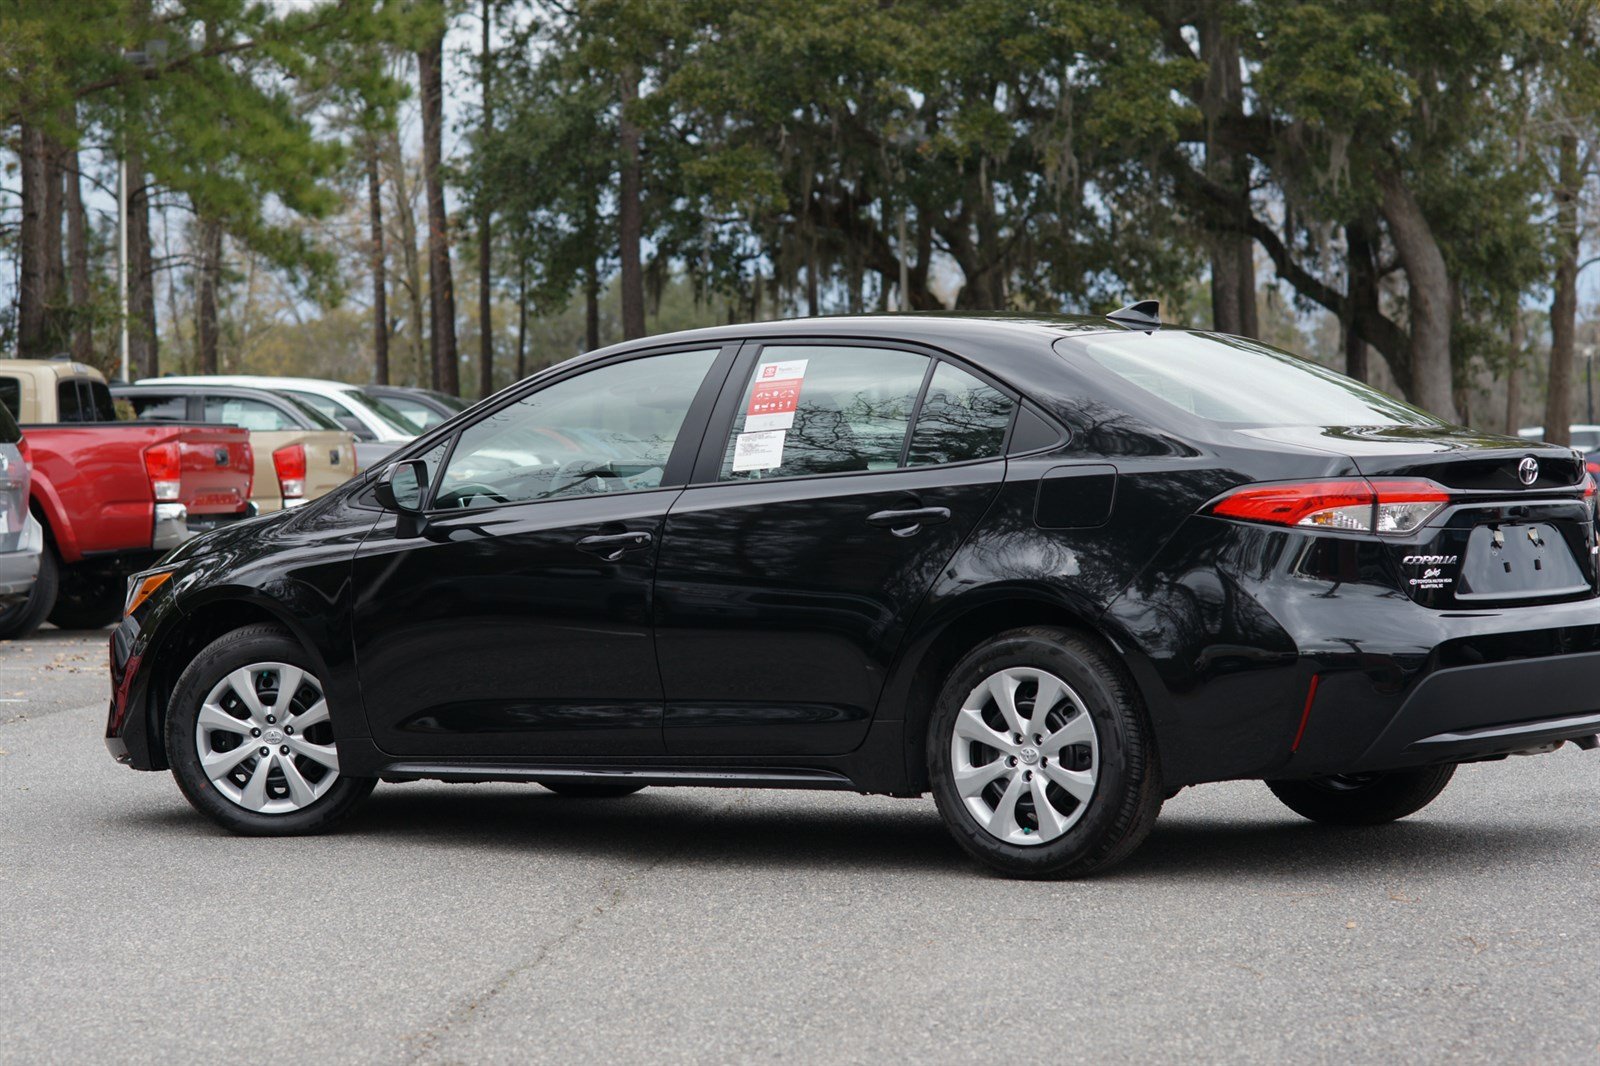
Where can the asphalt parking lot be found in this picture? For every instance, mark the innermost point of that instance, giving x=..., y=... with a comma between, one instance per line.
x=499, y=923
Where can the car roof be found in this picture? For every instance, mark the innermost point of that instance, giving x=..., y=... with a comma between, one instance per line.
x=260, y=381
x=1012, y=345
x=190, y=388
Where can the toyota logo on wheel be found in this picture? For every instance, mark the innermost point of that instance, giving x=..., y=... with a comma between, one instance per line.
x=1528, y=470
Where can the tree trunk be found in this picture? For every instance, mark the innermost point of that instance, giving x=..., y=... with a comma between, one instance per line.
x=441, y=291
x=1362, y=293
x=591, y=307
x=1564, y=302
x=57, y=308
x=209, y=269
x=31, y=340
x=420, y=358
x=630, y=221
x=1233, y=271
x=78, y=265
x=485, y=332
x=812, y=304
x=380, y=282
x=1514, y=377
x=1432, y=302
x=144, y=357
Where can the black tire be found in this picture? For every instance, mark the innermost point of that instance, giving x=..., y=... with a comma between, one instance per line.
x=1364, y=799
x=1127, y=794
x=243, y=647
x=22, y=619
x=590, y=789
x=86, y=602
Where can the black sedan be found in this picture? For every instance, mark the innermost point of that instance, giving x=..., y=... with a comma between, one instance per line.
x=1050, y=569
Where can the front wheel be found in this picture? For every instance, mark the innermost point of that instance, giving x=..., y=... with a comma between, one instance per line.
x=1041, y=761
x=250, y=739
x=1364, y=799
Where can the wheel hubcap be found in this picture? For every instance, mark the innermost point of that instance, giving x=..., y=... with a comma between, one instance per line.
x=264, y=738
x=1025, y=755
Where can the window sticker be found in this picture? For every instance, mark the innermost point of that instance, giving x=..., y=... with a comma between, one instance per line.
x=762, y=450
x=775, y=396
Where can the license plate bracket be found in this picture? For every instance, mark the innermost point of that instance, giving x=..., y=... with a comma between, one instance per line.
x=1518, y=561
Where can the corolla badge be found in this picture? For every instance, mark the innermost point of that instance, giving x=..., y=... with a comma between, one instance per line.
x=1528, y=470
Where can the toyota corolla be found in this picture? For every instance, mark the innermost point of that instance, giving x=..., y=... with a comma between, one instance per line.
x=1049, y=569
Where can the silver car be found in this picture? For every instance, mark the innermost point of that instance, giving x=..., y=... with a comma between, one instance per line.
x=21, y=538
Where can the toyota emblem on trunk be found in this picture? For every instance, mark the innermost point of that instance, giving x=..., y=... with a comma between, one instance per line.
x=1528, y=470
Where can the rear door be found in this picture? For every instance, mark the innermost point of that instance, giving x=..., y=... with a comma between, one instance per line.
x=816, y=523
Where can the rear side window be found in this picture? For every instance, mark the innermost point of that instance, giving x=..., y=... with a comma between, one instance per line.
x=11, y=396
x=823, y=409
x=9, y=433
x=961, y=419
x=249, y=414
x=69, y=402
x=98, y=402
x=82, y=400
x=158, y=408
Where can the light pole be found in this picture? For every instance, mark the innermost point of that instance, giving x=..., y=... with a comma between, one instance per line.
x=1588, y=377
x=122, y=259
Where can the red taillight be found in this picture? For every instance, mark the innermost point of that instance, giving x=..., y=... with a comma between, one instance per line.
x=290, y=463
x=1351, y=504
x=164, y=464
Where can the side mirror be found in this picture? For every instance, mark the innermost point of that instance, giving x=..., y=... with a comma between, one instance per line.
x=401, y=487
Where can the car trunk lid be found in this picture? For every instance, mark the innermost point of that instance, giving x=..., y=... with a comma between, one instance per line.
x=1518, y=527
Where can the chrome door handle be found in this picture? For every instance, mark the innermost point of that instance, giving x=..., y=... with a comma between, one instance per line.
x=907, y=523
x=611, y=546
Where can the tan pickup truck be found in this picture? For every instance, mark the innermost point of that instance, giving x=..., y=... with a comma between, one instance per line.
x=300, y=453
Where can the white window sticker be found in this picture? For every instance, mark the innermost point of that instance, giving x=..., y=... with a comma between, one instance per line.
x=775, y=396
x=758, y=451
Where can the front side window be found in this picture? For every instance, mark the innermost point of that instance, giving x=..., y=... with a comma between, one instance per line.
x=334, y=410
x=157, y=407
x=247, y=414
x=823, y=409
x=421, y=417
x=961, y=418
x=610, y=429
x=11, y=396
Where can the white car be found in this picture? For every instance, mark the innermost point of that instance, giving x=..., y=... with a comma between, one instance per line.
x=378, y=428
x=1585, y=438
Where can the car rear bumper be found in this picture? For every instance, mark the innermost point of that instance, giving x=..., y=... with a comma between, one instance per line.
x=1250, y=669
x=19, y=568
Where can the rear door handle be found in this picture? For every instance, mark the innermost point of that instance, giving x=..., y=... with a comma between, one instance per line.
x=611, y=546
x=906, y=523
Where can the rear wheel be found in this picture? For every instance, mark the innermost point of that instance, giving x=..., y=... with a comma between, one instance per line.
x=1041, y=762
x=250, y=739
x=1364, y=799
x=590, y=789
x=22, y=618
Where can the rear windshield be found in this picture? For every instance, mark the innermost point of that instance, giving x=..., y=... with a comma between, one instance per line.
x=9, y=433
x=1229, y=379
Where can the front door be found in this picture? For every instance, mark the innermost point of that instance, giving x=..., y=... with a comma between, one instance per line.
x=815, y=527
x=517, y=621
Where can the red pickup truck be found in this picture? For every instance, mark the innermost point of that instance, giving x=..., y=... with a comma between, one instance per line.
x=111, y=496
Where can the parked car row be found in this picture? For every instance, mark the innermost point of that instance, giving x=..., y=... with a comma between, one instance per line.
x=98, y=481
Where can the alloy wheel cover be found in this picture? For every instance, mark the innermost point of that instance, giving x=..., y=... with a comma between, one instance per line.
x=1024, y=755
x=265, y=740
